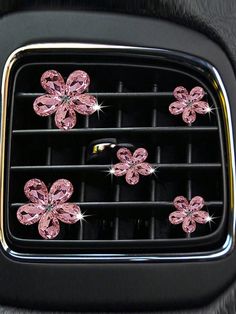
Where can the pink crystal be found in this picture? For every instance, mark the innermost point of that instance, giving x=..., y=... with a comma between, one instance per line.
x=189, y=103
x=29, y=214
x=68, y=213
x=196, y=203
x=189, y=225
x=181, y=203
x=177, y=107
x=189, y=213
x=53, y=82
x=120, y=169
x=196, y=94
x=48, y=226
x=144, y=169
x=84, y=104
x=36, y=191
x=140, y=155
x=132, y=165
x=46, y=105
x=177, y=217
x=65, y=117
x=77, y=82
x=64, y=99
x=201, y=107
x=60, y=191
x=124, y=155
x=48, y=207
x=189, y=115
x=181, y=93
x=132, y=177
x=201, y=216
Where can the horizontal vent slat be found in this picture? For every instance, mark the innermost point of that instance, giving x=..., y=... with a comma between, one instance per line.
x=109, y=95
x=183, y=166
x=118, y=131
x=122, y=205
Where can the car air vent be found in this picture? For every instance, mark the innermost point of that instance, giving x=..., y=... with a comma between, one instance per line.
x=135, y=88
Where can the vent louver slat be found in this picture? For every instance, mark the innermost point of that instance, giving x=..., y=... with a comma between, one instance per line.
x=136, y=91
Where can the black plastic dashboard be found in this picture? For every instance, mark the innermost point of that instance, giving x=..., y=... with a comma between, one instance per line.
x=108, y=286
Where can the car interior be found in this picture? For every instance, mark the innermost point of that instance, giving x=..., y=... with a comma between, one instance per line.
x=117, y=163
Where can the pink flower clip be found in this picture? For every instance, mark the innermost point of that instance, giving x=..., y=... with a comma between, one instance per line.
x=132, y=165
x=48, y=208
x=189, y=103
x=65, y=98
x=189, y=213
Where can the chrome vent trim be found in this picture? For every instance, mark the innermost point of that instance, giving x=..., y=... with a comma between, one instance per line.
x=179, y=57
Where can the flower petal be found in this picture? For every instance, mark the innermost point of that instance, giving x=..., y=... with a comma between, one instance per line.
x=189, y=225
x=177, y=107
x=65, y=118
x=132, y=176
x=48, y=226
x=140, y=155
x=68, y=213
x=29, y=214
x=197, y=93
x=144, y=168
x=60, y=191
x=120, y=169
x=53, y=82
x=181, y=93
x=36, y=191
x=196, y=203
x=46, y=105
x=84, y=104
x=189, y=115
x=201, y=216
x=181, y=203
x=177, y=217
x=124, y=155
x=77, y=82
x=201, y=107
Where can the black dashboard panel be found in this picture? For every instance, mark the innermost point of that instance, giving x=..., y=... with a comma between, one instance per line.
x=134, y=286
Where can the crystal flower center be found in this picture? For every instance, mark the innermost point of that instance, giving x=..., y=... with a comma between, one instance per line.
x=189, y=102
x=131, y=163
x=65, y=98
x=189, y=212
x=48, y=207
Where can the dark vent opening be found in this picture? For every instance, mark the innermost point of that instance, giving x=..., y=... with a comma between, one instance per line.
x=136, y=90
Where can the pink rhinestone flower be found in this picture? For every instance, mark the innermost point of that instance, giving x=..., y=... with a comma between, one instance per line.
x=48, y=208
x=132, y=165
x=65, y=98
x=189, y=213
x=189, y=103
